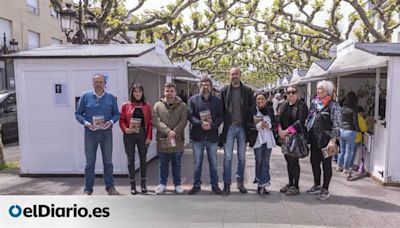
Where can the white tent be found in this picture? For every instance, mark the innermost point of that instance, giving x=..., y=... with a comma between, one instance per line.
x=356, y=61
x=51, y=140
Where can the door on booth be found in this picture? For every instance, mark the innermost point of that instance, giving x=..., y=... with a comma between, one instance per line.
x=379, y=152
x=81, y=82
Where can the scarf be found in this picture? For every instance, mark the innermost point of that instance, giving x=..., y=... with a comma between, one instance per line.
x=321, y=103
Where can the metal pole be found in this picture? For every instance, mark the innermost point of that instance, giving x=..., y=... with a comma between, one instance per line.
x=80, y=41
x=4, y=44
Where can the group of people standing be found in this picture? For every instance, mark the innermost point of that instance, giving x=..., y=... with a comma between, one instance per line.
x=246, y=118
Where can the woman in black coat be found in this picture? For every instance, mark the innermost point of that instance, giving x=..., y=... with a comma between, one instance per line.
x=291, y=120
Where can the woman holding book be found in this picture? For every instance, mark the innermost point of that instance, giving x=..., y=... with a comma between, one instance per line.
x=323, y=124
x=291, y=121
x=136, y=123
x=261, y=122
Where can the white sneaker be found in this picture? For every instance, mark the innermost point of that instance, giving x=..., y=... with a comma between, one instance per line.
x=178, y=189
x=160, y=189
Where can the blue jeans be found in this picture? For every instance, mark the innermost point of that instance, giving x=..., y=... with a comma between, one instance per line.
x=175, y=159
x=198, y=152
x=347, y=142
x=262, y=155
x=239, y=134
x=353, y=157
x=92, y=141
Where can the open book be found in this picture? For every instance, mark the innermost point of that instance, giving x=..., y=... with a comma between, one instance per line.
x=206, y=116
x=134, y=124
x=98, y=122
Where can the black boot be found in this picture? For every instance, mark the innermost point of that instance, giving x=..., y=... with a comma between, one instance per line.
x=241, y=187
x=133, y=188
x=227, y=189
x=143, y=186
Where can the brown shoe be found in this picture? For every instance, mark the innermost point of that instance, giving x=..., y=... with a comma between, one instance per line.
x=293, y=191
x=284, y=189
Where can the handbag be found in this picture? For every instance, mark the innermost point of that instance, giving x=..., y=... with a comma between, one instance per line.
x=295, y=145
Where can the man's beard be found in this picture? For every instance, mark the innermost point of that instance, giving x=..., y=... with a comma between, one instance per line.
x=205, y=93
x=235, y=82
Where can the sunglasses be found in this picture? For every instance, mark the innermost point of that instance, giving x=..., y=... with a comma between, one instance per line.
x=291, y=92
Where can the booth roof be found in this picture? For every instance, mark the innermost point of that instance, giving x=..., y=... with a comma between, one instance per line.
x=380, y=49
x=85, y=51
x=167, y=70
x=324, y=64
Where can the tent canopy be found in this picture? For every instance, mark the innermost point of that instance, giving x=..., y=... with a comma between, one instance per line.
x=85, y=51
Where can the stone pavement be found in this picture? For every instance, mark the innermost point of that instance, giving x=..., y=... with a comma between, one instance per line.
x=362, y=203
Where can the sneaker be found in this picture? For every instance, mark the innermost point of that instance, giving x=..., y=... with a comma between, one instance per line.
x=314, y=190
x=323, y=195
x=293, y=191
x=217, y=190
x=112, y=192
x=284, y=189
x=339, y=169
x=194, y=190
x=160, y=189
x=178, y=189
x=87, y=193
x=346, y=171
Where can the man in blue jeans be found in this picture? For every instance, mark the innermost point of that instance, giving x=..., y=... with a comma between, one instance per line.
x=205, y=114
x=236, y=101
x=170, y=118
x=98, y=111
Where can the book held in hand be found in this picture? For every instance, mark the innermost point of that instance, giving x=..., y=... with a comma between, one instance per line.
x=168, y=142
x=134, y=124
x=257, y=119
x=328, y=153
x=206, y=116
x=98, y=122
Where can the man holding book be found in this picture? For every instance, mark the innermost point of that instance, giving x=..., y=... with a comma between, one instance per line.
x=237, y=99
x=205, y=114
x=170, y=118
x=98, y=111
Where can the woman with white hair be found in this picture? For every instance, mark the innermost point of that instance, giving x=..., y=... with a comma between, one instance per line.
x=323, y=125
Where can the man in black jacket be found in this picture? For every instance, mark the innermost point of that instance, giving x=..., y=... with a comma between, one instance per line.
x=205, y=115
x=236, y=101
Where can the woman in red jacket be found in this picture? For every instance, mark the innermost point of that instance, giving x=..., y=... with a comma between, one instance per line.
x=136, y=123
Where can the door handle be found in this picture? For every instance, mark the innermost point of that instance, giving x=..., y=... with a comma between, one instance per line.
x=383, y=124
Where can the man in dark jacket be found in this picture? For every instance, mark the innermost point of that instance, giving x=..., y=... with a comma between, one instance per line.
x=205, y=115
x=236, y=101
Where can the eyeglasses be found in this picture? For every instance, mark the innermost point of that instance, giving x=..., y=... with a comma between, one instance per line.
x=291, y=92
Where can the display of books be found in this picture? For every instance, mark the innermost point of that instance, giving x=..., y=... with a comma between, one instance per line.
x=168, y=142
x=98, y=122
x=328, y=153
x=134, y=125
x=257, y=119
x=206, y=116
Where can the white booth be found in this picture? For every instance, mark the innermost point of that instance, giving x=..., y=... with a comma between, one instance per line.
x=49, y=82
x=372, y=71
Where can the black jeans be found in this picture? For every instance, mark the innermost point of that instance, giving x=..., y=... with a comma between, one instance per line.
x=130, y=142
x=316, y=159
x=293, y=168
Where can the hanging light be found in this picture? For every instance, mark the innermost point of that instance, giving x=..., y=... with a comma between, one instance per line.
x=91, y=30
x=68, y=18
x=13, y=45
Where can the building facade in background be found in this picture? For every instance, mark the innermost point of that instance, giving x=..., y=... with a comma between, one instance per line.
x=33, y=24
